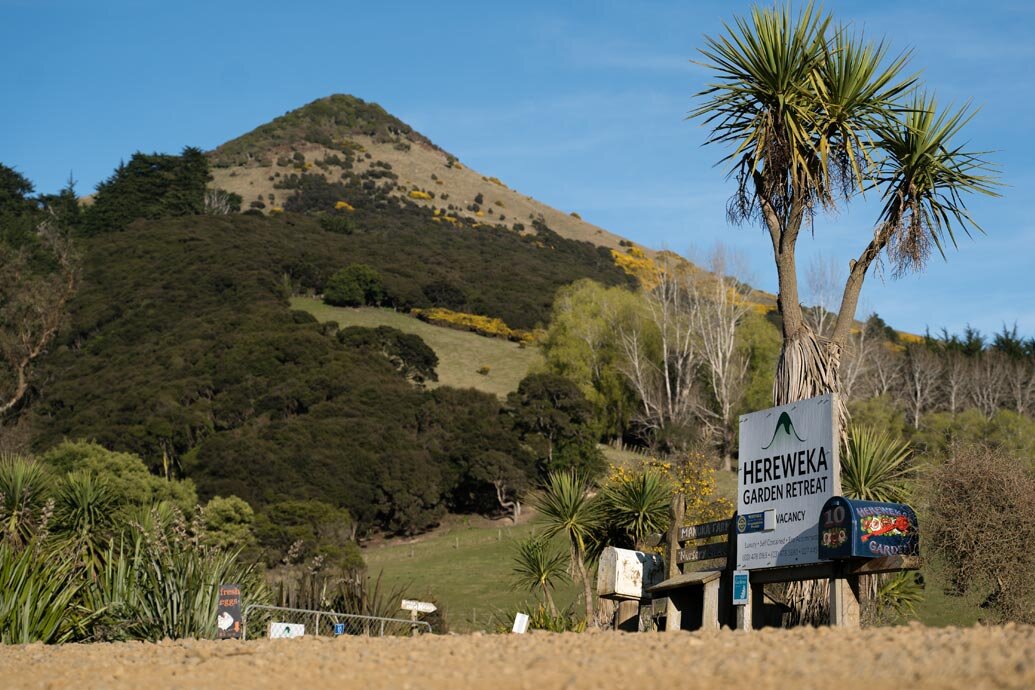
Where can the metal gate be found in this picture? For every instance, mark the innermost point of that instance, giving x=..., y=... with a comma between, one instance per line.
x=330, y=623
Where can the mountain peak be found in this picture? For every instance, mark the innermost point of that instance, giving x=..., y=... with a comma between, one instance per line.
x=329, y=122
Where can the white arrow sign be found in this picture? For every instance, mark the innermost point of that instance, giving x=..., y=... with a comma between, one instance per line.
x=419, y=606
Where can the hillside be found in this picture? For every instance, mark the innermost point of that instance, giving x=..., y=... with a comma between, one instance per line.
x=461, y=354
x=341, y=137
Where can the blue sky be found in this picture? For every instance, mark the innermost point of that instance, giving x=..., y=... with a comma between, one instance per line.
x=581, y=105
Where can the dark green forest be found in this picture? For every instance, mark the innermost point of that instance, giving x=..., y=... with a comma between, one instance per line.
x=179, y=347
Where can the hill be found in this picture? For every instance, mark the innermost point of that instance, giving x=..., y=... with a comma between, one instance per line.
x=462, y=356
x=342, y=137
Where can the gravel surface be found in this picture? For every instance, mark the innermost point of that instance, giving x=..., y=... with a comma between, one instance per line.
x=910, y=657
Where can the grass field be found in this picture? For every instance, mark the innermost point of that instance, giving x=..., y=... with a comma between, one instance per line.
x=465, y=568
x=460, y=353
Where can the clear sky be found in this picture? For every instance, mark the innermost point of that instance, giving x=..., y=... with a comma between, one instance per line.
x=579, y=104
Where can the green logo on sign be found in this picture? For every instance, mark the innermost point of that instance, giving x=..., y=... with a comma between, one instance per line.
x=785, y=423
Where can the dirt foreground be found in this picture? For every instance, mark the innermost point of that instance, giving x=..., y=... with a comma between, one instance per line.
x=909, y=657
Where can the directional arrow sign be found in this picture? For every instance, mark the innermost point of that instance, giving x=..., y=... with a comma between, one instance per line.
x=419, y=606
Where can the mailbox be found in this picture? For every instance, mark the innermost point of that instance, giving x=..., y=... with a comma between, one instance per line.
x=866, y=529
x=626, y=574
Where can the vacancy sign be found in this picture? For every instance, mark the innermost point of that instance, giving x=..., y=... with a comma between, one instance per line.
x=788, y=465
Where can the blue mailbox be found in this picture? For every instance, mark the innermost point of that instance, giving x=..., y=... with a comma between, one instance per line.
x=866, y=529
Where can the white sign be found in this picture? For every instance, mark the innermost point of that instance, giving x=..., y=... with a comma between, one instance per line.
x=788, y=465
x=286, y=630
x=419, y=606
x=520, y=623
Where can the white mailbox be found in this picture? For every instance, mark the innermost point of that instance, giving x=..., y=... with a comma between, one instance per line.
x=626, y=574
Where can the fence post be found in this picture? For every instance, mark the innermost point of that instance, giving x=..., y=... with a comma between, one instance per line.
x=673, y=618
x=844, y=601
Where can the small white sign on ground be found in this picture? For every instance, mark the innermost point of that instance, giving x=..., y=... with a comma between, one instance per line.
x=789, y=465
x=286, y=630
x=520, y=623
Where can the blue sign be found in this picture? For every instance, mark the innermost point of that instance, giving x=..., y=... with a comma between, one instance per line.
x=752, y=522
x=339, y=629
x=740, y=587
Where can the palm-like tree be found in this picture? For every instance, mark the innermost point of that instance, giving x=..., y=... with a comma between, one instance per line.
x=24, y=504
x=566, y=507
x=84, y=510
x=538, y=569
x=876, y=466
x=814, y=115
x=638, y=507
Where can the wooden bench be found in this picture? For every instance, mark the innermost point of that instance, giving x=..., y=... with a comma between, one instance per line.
x=690, y=599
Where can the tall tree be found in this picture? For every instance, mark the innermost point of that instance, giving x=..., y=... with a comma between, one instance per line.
x=815, y=115
x=566, y=507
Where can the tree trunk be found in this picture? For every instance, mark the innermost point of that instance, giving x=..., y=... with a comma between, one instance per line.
x=587, y=587
x=549, y=600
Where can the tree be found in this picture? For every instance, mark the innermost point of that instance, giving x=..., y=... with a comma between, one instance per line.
x=355, y=285
x=814, y=115
x=536, y=568
x=583, y=345
x=407, y=352
x=720, y=304
x=555, y=421
x=149, y=186
x=923, y=375
x=637, y=506
x=566, y=507
x=39, y=274
x=126, y=476
x=662, y=358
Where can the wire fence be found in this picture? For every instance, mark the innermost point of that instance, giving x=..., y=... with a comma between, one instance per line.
x=258, y=618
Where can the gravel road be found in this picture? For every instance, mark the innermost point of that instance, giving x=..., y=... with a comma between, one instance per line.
x=912, y=658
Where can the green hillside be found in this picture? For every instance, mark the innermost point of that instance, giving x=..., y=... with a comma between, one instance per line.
x=464, y=567
x=460, y=353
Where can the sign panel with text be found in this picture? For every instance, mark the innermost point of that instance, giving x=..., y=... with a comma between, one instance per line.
x=788, y=469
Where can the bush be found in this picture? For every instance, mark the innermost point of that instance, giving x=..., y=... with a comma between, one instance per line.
x=981, y=519
x=354, y=286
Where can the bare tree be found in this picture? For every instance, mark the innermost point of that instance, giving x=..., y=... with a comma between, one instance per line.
x=987, y=382
x=219, y=202
x=823, y=283
x=886, y=371
x=1020, y=383
x=32, y=309
x=955, y=375
x=858, y=360
x=922, y=371
x=661, y=357
x=719, y=304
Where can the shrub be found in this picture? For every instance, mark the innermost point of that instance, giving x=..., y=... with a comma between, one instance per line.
x=339, y=224
x=354, y=286
x=417, y=194
x=981, y=519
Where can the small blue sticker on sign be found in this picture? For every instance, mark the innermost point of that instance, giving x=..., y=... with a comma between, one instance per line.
x=339, y=629
x=740, y=587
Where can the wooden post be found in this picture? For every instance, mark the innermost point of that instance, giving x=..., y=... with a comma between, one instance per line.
x=757, y=606
x=710, y=606
x=844, y=601
x=677, y=508
x=745, y=616
x=627, y=617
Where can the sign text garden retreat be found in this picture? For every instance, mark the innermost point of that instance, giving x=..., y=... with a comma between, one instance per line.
x=793, y=466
